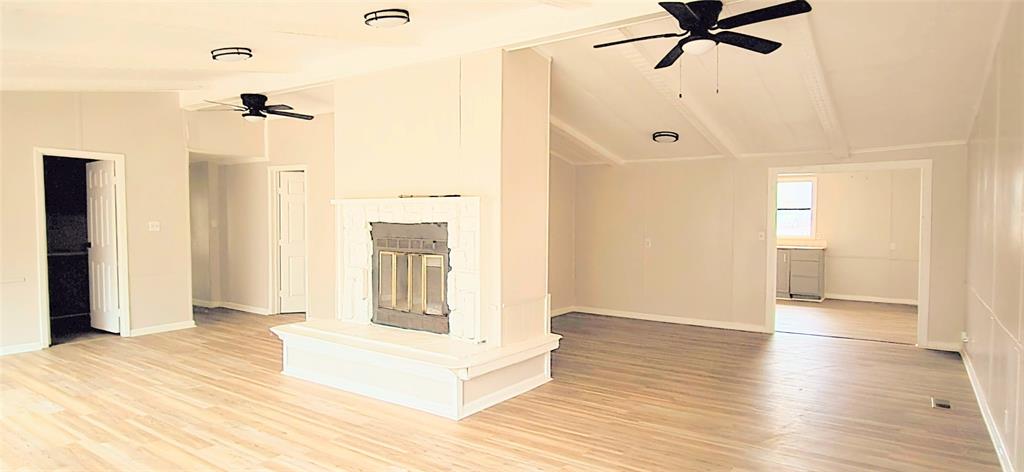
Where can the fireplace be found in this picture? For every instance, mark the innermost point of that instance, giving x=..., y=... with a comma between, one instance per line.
x=409, y=272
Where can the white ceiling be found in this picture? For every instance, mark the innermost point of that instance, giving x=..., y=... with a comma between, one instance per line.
x=133, y=45
x=850, y=76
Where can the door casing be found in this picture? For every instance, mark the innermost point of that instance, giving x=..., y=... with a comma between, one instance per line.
x=41, y=243
x=274, y=220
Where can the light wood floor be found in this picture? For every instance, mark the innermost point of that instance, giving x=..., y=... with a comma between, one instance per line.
x=627, y=395
x=848, y=319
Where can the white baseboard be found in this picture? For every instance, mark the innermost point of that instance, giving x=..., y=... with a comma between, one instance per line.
x=672, y=319
x=561, y=311
x=503, y=394
x=979, y=395
x=234, y=306
x=163, y=328
x=204, y=303
x=865, y=298
x=20, y=348
x=943, y=346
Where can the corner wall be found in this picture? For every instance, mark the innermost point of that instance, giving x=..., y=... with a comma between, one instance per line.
x=562, y=236
x=148, y=129
x=995, y=276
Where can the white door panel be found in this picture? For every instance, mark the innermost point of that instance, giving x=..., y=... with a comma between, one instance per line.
x=291, y=195
x=104, y=309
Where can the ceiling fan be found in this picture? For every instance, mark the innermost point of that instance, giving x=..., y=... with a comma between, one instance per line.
x=699, y=18
x=254, y=108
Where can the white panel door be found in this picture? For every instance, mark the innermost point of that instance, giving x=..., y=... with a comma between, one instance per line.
x=291, y=204
x=101, y=219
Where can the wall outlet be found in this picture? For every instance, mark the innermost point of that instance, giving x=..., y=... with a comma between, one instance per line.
x=647, y=243
x=963, y=336
x=154, y=226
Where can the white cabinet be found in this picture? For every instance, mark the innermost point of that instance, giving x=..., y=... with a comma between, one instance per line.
x=800, y=273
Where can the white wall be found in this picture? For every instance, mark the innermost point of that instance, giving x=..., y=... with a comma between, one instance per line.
x=148, y=129
x=860, y=214
x=995, y=309
x=239, y=217
x=562, y=236
x=706, y=263
x=199, y=222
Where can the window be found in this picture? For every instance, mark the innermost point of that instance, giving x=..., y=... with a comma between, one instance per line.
x=795, y=208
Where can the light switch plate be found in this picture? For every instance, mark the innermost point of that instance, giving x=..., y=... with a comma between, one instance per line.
x=760, y=236
x=154, y=226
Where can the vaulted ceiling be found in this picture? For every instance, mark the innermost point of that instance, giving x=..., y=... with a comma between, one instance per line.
x=850, y=77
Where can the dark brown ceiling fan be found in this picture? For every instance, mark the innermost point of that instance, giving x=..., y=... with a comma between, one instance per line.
x=699, y=20
x=254, y=108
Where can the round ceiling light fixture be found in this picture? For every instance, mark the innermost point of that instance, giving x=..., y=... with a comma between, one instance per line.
x=699, y=46
x=253, y=116
x=233, y=54
x=665, y=136
x=387, y=18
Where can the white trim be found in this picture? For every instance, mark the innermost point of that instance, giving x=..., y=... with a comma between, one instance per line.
x=20, y=348
x=223, y=159
x=671, y=319
x=979, y=395
x=905, y=147
x=504, y=393
x=586, y=141
x=120, y=190
x=255, y=310
x=865, y=298
x=164, y=328
x=274, y=216
x=563, y=311
x=925, y=233
x=942, y=346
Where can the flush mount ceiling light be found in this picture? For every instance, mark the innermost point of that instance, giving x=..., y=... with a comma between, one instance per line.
x=388, y=18
x=699, y=46
x=665, y=136
x=253, y=116
x=231, y=54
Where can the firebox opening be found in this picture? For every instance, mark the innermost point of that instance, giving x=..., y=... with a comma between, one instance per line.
x=410, y=268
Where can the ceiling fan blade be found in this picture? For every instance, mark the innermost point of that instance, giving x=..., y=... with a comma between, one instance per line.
x=688, y=20
x=642, y=38
x=753, y=43
x=232, y=105
x=289, y=115
x=781, y=10
x=278, y=107
x=672, y=56
x=220, y=109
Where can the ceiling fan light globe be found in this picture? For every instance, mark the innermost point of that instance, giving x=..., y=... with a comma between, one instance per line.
x=253, y=117
x=699, y=46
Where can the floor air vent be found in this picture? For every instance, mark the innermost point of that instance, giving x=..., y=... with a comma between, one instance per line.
x=940, y=403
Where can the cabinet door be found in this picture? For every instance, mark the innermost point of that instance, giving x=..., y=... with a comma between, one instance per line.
x=782, y=273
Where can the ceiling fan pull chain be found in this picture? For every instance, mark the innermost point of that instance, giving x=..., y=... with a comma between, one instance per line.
x=717, y=56
x=680, y=78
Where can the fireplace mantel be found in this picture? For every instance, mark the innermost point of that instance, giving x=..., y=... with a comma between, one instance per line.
x=355, y=253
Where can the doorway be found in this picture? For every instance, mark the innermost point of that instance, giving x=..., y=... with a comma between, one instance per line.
x=82, y=240
x=850, y=250
x=289, y=257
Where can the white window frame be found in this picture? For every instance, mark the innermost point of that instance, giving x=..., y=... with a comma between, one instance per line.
x=813, y=179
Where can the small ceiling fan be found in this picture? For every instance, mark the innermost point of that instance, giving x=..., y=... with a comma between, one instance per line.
x=699, y=18
x=254, y=108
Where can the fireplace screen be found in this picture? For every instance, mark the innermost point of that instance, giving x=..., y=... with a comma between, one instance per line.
x=410, y=267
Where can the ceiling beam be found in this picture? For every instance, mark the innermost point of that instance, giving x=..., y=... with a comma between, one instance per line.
x=578, y=136
x=712, y=131
x=817, y=87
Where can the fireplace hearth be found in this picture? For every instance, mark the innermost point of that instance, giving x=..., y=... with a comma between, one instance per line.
x=410, y=267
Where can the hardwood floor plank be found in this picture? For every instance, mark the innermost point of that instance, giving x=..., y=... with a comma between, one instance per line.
x=628, y=395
